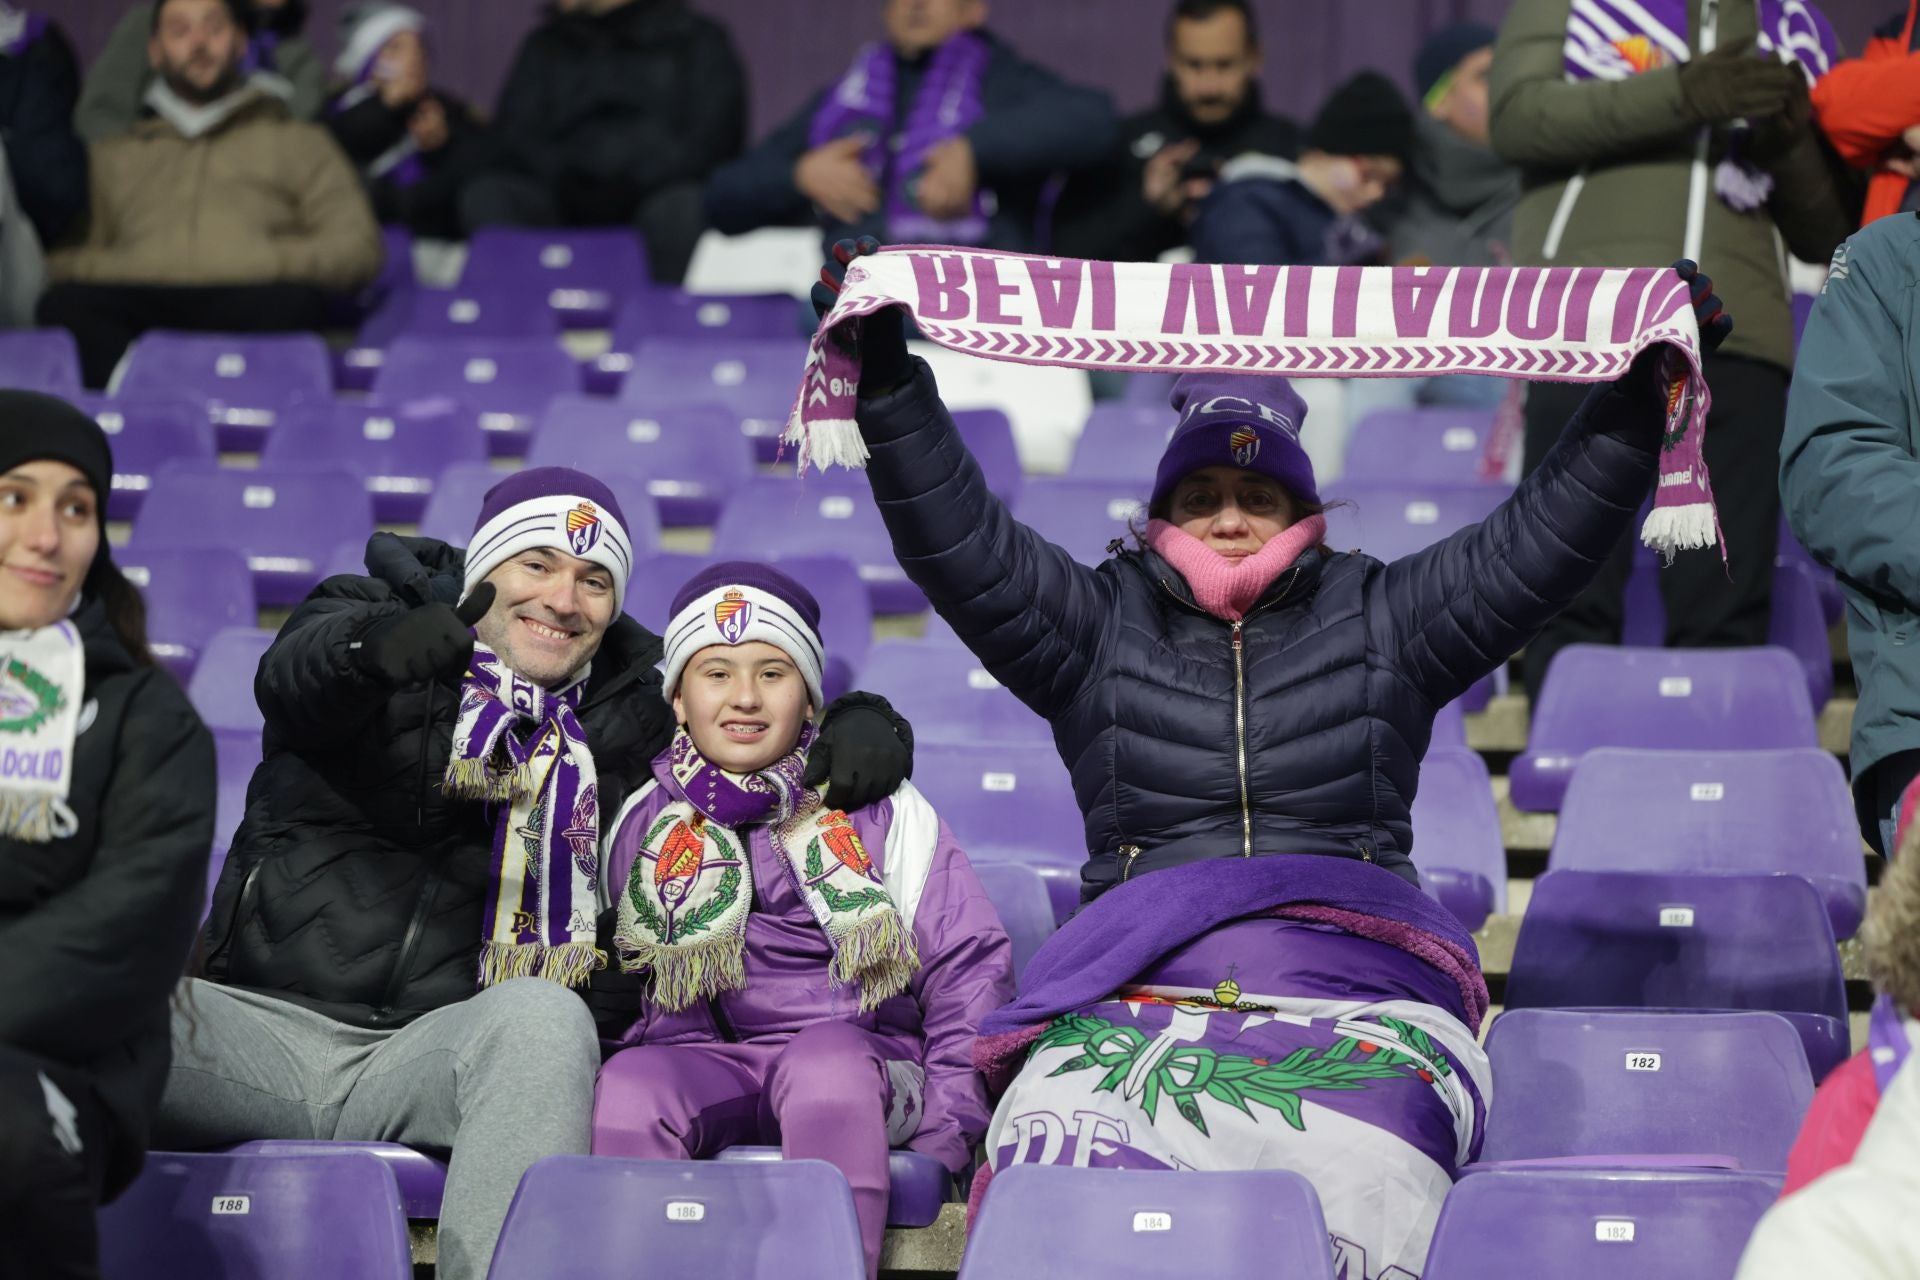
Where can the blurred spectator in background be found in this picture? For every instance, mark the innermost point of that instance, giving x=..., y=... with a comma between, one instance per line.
x=1308, y=214
x=217, y=213
x=613, y=115
x=1455, y=208
x=939, y=134
x=1139, y=204
x=278, y=60
x=44, y=183
x=1676, y=142
x=414, y=144
x=1869, y=108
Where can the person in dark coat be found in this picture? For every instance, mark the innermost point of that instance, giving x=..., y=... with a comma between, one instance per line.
x=614, y=114
x=106, y=819
x=1140, y=202
x=940, y=134
x=415, y=146
x=1308, y=213
x=414, y=886
x=39, y=83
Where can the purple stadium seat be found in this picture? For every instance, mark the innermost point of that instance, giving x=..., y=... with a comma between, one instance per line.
x=1449, y=727
x=1637, y=940
x=191, y=593
x=396, y=448
x=1024, y=904
x=949, y=696
x=348, y=558
x=675, y=315
x=1791, y=550
x=236, y=755
x=1418, y=447
x=285, y=522
x=45, y=360
x=1149, y=388
x=222, y=686
x=1802, y=308
x=1798, y=622
x=826, y=515
x=509, y=381
x=253, y=1217
x=1006, y=803
x=1658, y=699
x=496, y=309
x=422, y=1178
x=588, y=1217
x=918, y=1185
x=1597, y=1225
x=1147, y=1224
x=244, y=380
x=1122, y=442
x=586, y=274
x=692, y=454
x=757, y=381
x=1779, y=812
x=1456, y=836
x=989, y=437
x=1083, y=516
x=455, y=503
x=146, y=435
x=1389, y=521
x=1591, y=1083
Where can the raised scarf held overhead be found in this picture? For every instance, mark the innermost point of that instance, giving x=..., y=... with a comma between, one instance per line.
x=1562, y=324
x=522, y=747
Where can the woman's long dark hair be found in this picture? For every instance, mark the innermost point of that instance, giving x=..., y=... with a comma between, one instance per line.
x=126, y=607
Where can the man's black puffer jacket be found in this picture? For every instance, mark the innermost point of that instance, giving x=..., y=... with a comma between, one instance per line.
x=354, y=886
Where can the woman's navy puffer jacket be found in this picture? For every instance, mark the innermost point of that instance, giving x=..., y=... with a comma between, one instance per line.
x=1344, y=660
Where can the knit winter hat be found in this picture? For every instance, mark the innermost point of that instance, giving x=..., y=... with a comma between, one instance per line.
x=364, y=32
x=35, y=427
x=1366, y=116
x=1445, y=49
x=1235, y=420
x=557, y=507
x=738, y=602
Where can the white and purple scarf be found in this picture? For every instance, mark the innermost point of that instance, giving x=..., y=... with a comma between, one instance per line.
x=1565, y=324
x=947, y=104
x=18, y=29
x=683, y=912
x=521, y=747
x=1618, y=39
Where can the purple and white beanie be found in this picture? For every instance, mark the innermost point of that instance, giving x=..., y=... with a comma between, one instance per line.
x=554, y=507
x=739, y=602
x=365, y=32
x=1250, y=422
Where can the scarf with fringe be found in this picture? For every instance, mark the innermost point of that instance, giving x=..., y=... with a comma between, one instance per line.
x=683, y=913
x=42, y=675
x=521, y=747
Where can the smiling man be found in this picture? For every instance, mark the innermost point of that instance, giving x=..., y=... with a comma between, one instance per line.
x=416, y=883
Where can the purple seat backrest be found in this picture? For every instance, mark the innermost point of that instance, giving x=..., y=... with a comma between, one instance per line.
x=756, y=381
x=1122, y=442
x=1787, y=812
x=286, y=522
x=692, y=454
x=237, y=753
x=1456, y=826
x=422, y=1178
x=1592, y=1083
x=581, y=1217
x=250, y=1217
x=988, y=436
x=1597, y=1225
x=1083, y=516
x=397, y=448
x=1149, y=389
x=1389, y=521
x=611, y=260
x=1793, y=552
x=1798, y=622
x=222, y=686
x=45, y=360
x=509, y=381
x=1414, y=447
x=1130, y=1224
x=492, y=308
x=244, y=380
x=1003, y=801
x=833, y=515
x=948, y=696
x=1641, y=940
x=457, y=495
x=676, y=314
x=1019, y=898
x=146, y=435
x=191, y=593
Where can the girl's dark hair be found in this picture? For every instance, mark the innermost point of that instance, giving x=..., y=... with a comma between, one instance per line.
x=126, y=607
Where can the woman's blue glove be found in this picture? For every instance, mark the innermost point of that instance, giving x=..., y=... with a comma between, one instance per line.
x=884, y=363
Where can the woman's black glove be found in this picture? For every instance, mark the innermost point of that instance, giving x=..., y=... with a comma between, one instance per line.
x=614, y=996
x=1709, y=313
x=426, y=643
x=864, y=751
x=884, y=362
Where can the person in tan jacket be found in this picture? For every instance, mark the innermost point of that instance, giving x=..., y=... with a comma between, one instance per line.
x=218, y=212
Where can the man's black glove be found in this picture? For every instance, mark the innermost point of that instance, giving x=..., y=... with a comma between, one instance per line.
x=424, y=643
x=1731, y=83
x=884, y=363
x=864, y=751
x=613, y=995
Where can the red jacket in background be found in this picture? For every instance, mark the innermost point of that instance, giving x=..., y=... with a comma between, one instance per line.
x=1865, y=103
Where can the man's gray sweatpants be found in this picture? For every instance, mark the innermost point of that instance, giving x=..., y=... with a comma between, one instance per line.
x=501, y=1079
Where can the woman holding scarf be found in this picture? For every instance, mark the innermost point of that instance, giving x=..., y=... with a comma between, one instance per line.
x=106, y=818
x=1226, y=691
x=812, y=973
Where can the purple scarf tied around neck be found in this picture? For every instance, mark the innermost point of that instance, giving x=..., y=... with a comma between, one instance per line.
x=947, y=104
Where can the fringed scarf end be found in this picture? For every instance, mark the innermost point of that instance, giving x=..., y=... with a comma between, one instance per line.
x=36, y=818
x=481, y=779
x=879, y=954
x=1679, y=528
x=568, y=964
x=689, y=973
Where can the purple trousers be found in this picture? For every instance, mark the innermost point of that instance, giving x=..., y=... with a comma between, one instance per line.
x=822, y=1095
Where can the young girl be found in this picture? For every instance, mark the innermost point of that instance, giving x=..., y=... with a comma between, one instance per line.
x=813, y=976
